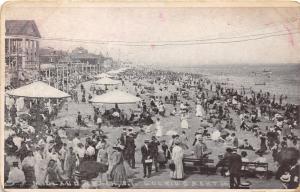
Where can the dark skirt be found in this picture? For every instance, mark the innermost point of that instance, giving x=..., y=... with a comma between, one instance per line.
x=118, y=175
x=29, y=174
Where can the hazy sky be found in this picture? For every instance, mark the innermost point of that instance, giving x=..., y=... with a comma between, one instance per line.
x=173, y=24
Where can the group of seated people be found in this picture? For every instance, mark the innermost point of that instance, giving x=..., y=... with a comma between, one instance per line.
x=117, y=117
x=259, y=170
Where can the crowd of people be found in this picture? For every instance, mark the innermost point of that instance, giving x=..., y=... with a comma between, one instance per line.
x=40, y=153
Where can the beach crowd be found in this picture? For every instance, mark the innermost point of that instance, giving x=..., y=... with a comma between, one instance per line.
x=41, y=153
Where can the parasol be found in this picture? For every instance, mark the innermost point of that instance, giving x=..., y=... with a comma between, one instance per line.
x=113, y=72
x=106, y=81
x=204, y=124
x=102, y=75
x=171, y=132
x=38, y=89
x=215, y=135
x=115, y=97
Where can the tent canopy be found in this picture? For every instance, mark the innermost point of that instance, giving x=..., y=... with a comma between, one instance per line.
x=102, y=75
x=38, y=89
x=106, y=81
x=117, y=71
x=115, y=97
x=114, y=72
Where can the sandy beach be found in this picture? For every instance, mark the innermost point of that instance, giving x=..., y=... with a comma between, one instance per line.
x=168, y=123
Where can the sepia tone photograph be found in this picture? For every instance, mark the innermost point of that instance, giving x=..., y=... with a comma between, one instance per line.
x=98, y=96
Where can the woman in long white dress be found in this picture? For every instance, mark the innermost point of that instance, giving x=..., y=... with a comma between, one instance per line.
x=199, y=110
x=184, y=122
x=158, y=128
x=177, y=156
x=39, y=167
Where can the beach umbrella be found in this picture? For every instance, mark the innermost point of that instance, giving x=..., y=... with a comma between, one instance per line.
x=171, y=132
x=102, y=75
x=204, y=124
x=115, y=97
x=114, y=72
x=38, y=89
x=215, y=135
x=106, y=81
x=224, y=132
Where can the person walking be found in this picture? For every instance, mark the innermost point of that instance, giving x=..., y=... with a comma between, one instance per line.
x=79, y=119
x=184, y=123
x=102, y=158
x=28, y=169
x=131, y=150
x=153, y=146
x=146, y=159
x=199, y=109
x=234, y=166
x=70, y=163
x=177, y=157
x=118, y=172
x=158, y=128
x=13, y=113
x=99, y=121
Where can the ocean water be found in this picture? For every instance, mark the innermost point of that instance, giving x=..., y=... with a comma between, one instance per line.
x=277, y=79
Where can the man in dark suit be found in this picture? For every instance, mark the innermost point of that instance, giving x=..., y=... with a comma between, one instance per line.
x=235, y=164
x=153, y=146
x=123, y=137
x=130, y=145
x=146, y=156
x=124, y=142
x=79, y=119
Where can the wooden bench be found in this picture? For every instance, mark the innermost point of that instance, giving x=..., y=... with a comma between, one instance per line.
x=204, y=165
x=252, y=167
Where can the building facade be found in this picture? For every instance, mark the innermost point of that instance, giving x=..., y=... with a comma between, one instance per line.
x=21, y=45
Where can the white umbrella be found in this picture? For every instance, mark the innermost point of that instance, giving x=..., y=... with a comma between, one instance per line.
x=113, y=72
x=38, y=89
x=171, y=132
x=106, y=81
x=102, y=75
x=216, y=135
x=115, y=97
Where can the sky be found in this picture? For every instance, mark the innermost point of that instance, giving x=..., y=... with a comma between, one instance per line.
x=157, y=26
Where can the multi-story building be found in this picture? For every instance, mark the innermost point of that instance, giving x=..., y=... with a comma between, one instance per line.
x=21, y=45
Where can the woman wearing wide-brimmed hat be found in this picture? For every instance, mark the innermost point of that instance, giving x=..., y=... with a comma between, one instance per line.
x=118, y=172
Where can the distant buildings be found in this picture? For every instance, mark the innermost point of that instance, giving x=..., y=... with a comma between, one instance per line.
x=50, y=55
x=21, y=44
x=26, y=61
x=82, y=55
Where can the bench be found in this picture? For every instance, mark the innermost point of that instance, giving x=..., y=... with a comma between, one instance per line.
x=203, y=165
x=255, y=167
x=251, y=168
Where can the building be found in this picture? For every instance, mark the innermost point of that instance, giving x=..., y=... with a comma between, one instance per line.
x=21, y=45
x=82, y=55
x=51, y=55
